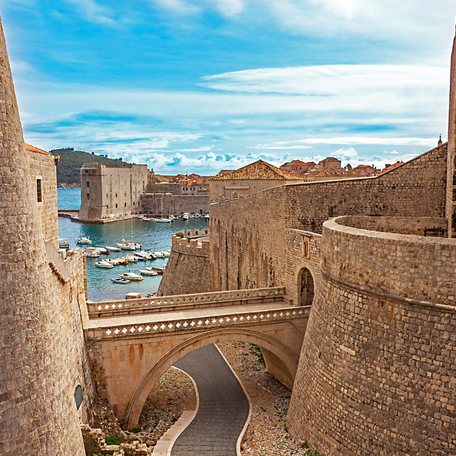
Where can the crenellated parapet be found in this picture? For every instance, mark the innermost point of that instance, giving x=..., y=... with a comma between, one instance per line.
x=193, y=242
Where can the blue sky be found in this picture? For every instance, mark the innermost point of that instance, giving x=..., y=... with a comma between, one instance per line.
x=204, y=85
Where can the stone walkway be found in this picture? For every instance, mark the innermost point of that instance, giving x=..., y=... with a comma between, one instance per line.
x=223, y=407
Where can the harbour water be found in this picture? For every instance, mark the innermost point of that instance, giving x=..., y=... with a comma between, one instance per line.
x=152, y=236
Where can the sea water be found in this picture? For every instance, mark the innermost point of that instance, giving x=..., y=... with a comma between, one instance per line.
x=152, y=236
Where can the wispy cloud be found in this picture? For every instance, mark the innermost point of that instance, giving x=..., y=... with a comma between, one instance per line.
x=94, y=12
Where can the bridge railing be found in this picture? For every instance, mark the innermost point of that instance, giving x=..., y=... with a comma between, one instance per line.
x=258, y=317
x=183, y=302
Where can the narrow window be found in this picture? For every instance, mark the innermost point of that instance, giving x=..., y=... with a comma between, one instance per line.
x=39, y=190
x=88, y=196
x=88, y=184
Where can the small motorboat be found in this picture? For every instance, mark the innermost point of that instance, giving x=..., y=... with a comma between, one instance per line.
x=64, y=244
x=92, y=252
x=185, y=216
x=113, y=249
x=144, y=255
x=103, y=250
x=128, y=245
x=162, y=220
x=207, y=216
x=131, y=258
x=133, y=296
x=158, y=255
x=159, y=271
x=147, y=272
x=166, y=254
x=120, y=280
x=83, y=241
x=104, y=264
x=132, y=276
x=118, y=261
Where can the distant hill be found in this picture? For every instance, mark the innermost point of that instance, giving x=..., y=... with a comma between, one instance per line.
x=71, y=161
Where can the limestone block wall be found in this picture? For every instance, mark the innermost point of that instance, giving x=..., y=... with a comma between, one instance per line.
x=188, y=269
x=41, y=348
x=248, y=235
x=42, y=166
x=164, y=204
x=377, y=371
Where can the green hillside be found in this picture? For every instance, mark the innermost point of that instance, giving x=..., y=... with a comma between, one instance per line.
x=71, y=161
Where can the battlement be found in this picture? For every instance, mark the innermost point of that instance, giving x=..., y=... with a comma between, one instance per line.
x=193, y=242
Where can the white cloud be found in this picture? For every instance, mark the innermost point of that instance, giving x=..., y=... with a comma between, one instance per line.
x=93, y=12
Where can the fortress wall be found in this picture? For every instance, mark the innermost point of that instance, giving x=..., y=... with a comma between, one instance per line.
x=158, y=204
x=43, y=166
x=377, y=371
x=415, y=189
x=248, y=240
x=41, y=349
x=188, y=269
x=424, y=226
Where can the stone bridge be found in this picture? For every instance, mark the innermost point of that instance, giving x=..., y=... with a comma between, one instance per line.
x=132, y=343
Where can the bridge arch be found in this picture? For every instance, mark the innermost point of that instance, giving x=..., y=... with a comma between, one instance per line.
x=288, y=358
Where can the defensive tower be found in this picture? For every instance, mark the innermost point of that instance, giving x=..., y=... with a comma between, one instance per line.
x=451, y=180
x=37, y=410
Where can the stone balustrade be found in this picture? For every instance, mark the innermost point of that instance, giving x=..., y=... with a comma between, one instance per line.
x=198, y=323
x=182, y=302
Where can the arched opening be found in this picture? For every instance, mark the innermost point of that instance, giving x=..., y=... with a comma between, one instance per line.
x=306, y=287
x=288, y=359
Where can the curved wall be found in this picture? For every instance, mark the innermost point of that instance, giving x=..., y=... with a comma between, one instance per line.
x=377, y=373
x=188, y=269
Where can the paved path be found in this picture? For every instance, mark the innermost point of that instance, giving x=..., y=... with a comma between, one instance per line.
x=223, y=407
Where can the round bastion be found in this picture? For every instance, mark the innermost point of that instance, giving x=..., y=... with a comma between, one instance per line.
x=377, y=371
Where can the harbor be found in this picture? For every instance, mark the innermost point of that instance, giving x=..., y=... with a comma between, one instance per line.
x=153, y=238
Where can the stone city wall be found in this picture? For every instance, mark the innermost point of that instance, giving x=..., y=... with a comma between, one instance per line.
x=42, y=343
x=377, y=371
x=188, y=269
x=164, y=204
x=42, y=167
x=248, y=235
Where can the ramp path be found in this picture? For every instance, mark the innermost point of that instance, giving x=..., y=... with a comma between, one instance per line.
x=223, y=406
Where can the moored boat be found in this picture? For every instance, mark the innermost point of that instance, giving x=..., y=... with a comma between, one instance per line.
x=131, y=276
x=158, y=255
x=113, y=249
x=64, y=244
x=83, y=240
x=133, y=295
x=128, y=245
x=162, y=220
x=104, y=264
x=147, y=272
x=120, y=280
x=92, y=252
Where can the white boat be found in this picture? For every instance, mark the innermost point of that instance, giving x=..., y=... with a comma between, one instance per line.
x=147, y=219
x=146, y=272
x=64, y=244
x=207, y=216
x=131, y=276
x=133, y=295
x=185, y=216
x=104, y=264
x=128, y=245
x=113, y=249
x=158, y=255
x=103, y=250
x=162, y=220
x=166, y=254
x=145, y=255
x=92, y=252
x=131, y=258
x=83, y=241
